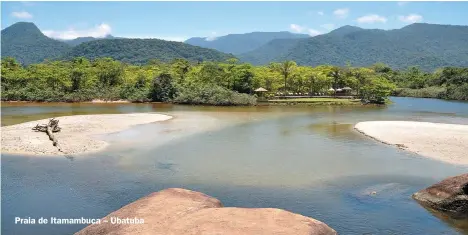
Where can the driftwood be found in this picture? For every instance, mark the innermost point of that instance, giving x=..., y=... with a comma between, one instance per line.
x=50, y=128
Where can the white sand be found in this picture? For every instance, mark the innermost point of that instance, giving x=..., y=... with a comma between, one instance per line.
x=78, y=134
x=444, y=142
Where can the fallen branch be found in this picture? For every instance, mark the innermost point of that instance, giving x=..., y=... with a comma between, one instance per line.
x=50, y=128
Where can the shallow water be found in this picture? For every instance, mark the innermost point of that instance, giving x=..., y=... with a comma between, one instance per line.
x=308, y=160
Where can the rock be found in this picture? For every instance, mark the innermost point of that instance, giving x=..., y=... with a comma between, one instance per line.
x=180, y=211
x=449, y=196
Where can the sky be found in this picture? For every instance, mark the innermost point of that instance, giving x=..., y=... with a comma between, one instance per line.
x=178, y=21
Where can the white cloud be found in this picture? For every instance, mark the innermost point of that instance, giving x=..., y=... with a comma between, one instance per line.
x=328, y=26
x=313, y=32
x=296, y=28
x=370, y=19
x=21, y=15
x=341, y=13
x=99, y=31
x=411, y=18
x=212, y=37
x=303, y=29
x=402, y=3
x=320, y=13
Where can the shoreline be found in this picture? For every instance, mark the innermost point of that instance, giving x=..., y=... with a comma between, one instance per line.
x=78, y=135
x=438, y=141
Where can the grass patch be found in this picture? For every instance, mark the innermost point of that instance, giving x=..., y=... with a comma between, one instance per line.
x=325, y=101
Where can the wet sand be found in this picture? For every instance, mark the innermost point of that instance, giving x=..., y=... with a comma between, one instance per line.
x=444, y=142
x=79, y=133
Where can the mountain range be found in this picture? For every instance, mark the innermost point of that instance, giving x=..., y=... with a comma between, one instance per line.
x=428, y=46
x=242, y=43
x=425, y=45
x=25, y=42
x=79, y=40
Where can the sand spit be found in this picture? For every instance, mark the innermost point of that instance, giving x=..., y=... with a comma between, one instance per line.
x=78, y=135
x=444, y=142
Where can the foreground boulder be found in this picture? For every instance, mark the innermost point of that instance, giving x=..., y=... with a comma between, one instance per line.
x=180, y=211
x=449, y=195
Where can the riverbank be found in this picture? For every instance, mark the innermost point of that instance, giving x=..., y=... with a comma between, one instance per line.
x=78, y=134
x=443, y=142
x=315, y=101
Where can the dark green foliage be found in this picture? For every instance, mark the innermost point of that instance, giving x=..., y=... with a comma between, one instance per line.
x=77, y=41
x=377, y=91
x=428, y=46
x=110, y=72
x=141, y=51
x=26, y=43
x=163, y=88
x=458, y=92
x=242, y=43
x=446, y=83
x=242, y=81
x=212, y=95
x=427, y=92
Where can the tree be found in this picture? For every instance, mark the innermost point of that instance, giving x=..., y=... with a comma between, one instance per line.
x=181, y=68
x=109, y=71
x=337, y=76
x=285, y=69
x=242, y=77
x=377, y=90
x=163, y=88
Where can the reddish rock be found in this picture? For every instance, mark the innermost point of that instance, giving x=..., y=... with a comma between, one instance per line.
x=449, y=195
x=180, y=211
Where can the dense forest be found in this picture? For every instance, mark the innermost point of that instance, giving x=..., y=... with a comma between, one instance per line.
x=241, y=43
x=27, y=44
x=226, y=83
x=141, y=51
x=428, y=46
x=445, y=83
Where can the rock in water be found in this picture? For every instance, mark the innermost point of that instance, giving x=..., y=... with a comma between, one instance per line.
x=180, y=211
x=449, y=195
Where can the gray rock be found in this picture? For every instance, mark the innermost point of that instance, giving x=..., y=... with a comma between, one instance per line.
x=449, y=196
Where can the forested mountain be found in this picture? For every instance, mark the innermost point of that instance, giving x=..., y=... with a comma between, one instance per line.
x=25, y=42
x=426, y=45
x=139, y=51
x=241, y=43
x=77, y=41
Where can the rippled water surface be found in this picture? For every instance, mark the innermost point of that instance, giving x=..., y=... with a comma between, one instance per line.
x=308, y=160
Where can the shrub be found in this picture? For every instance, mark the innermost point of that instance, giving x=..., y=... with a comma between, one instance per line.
x=455, y=92
x=212, y=95
x=428, y=92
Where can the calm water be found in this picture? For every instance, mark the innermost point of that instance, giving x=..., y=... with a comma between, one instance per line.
x=308, y=160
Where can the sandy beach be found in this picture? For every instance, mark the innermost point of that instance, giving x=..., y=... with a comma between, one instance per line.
x=444, y=142
x=78, y=134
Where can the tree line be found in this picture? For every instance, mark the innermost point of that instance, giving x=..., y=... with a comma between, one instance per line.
x=181, y=81
x=444, y=83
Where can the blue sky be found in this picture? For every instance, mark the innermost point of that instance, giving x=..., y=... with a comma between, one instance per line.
x=182, y=20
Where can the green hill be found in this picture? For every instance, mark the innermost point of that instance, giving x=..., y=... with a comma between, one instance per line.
x=426, y=45
x=77, y=41
x=241, y=43
x=138, y=51
x=25, y=42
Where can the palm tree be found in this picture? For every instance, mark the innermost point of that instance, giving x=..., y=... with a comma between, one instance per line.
x=285, y=69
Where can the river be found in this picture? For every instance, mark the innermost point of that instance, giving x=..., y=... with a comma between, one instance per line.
x=307, y=160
